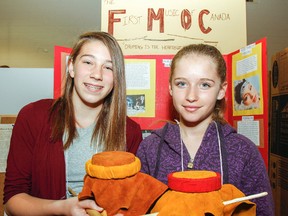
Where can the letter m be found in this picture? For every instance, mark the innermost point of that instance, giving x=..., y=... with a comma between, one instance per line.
x=152, y=16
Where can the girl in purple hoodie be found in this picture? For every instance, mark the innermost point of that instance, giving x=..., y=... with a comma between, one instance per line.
x=201, y=139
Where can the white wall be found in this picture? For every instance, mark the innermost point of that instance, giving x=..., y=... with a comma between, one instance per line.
x=268, y=18
x=19, y=86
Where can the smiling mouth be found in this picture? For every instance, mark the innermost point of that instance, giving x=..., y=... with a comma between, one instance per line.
x=191, y=108
x=93, y=87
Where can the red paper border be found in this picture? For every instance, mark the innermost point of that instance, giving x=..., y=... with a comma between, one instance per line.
x=263, y=118
x=59, y=68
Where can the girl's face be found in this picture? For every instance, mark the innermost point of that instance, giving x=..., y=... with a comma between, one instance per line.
x=93, y=74
x=250, y=95
x=195, y=87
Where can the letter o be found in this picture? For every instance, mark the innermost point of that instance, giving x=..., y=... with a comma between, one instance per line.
x=186, y=19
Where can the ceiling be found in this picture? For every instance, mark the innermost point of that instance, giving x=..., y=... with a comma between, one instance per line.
x=29, y=29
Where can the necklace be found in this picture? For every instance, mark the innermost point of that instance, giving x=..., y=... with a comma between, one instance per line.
x=191, y=164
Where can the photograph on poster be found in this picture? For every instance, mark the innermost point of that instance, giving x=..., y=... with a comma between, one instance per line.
x=247, y=93
x=135, y=104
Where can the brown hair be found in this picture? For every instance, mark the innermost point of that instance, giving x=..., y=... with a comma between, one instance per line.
x=217, y=58
x=110, y=129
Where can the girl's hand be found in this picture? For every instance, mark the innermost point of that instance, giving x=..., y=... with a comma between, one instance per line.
x=24, y=204
x=78, y=208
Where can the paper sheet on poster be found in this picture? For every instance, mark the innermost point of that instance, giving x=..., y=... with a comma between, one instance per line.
x=249, y=128
x=5, y=135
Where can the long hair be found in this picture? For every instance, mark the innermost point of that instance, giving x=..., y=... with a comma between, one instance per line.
x=217, y=58
x=110, y=128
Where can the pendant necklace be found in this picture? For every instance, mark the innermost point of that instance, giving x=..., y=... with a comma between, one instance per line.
x=191, y=162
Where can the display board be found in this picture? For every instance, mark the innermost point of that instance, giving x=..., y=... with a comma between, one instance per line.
x=247, y=94
x=149, y=27
x=149, y=102
x=6, y=124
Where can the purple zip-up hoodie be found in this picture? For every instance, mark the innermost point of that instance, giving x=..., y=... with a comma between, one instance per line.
x=242, y=165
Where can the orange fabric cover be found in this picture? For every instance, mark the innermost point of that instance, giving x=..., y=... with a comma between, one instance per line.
x=107, y=165
x=132, y=195
x=174, y=202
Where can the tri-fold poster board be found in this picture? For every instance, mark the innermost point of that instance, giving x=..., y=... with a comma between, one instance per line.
x=149, y=102
x=6, y=126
